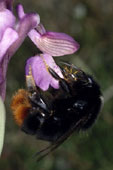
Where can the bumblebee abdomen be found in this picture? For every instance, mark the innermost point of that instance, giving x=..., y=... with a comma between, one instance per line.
x=20, y=106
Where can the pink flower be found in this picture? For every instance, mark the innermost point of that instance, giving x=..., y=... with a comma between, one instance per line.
x=51, y=44
x=11, y=37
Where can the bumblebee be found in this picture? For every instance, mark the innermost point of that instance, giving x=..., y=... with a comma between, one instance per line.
x=55, y=114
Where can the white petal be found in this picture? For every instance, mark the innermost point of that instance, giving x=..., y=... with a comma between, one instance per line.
x=2, y=124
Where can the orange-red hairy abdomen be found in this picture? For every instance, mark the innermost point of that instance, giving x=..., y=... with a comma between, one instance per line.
x=20, y=106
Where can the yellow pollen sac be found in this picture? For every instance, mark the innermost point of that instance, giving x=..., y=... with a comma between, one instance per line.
x=30, y=80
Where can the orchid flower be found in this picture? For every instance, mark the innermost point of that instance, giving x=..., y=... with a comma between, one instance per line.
x=51, y=44
x=12, y=35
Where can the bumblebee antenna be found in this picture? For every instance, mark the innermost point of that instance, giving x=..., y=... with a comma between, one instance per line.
x=68, y=64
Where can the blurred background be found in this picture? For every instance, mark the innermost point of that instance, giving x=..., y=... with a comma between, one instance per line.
x=91, y=24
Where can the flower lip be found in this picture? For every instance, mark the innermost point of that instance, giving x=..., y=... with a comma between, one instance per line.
x=41, y=76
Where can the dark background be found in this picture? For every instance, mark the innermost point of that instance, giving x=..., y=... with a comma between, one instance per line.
x=90, y=22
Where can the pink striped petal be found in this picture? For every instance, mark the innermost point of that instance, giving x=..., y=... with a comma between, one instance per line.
x=53, y=43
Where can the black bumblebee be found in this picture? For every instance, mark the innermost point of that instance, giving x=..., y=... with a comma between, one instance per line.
x=53, y=115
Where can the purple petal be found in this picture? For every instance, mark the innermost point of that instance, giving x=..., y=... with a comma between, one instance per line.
x=34, y=35
x=20, y=11
x=3, y=89
x=9, y=37
x=27, y=23
x=7, y=19
x=2, y=5
x=6, y=4
x=42, y=77
x=53, y=43
x=3, y=70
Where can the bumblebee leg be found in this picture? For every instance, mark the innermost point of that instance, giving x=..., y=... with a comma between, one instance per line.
x=54, y=74
x=38, y=101
x=35, y=96
x=62, y=81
